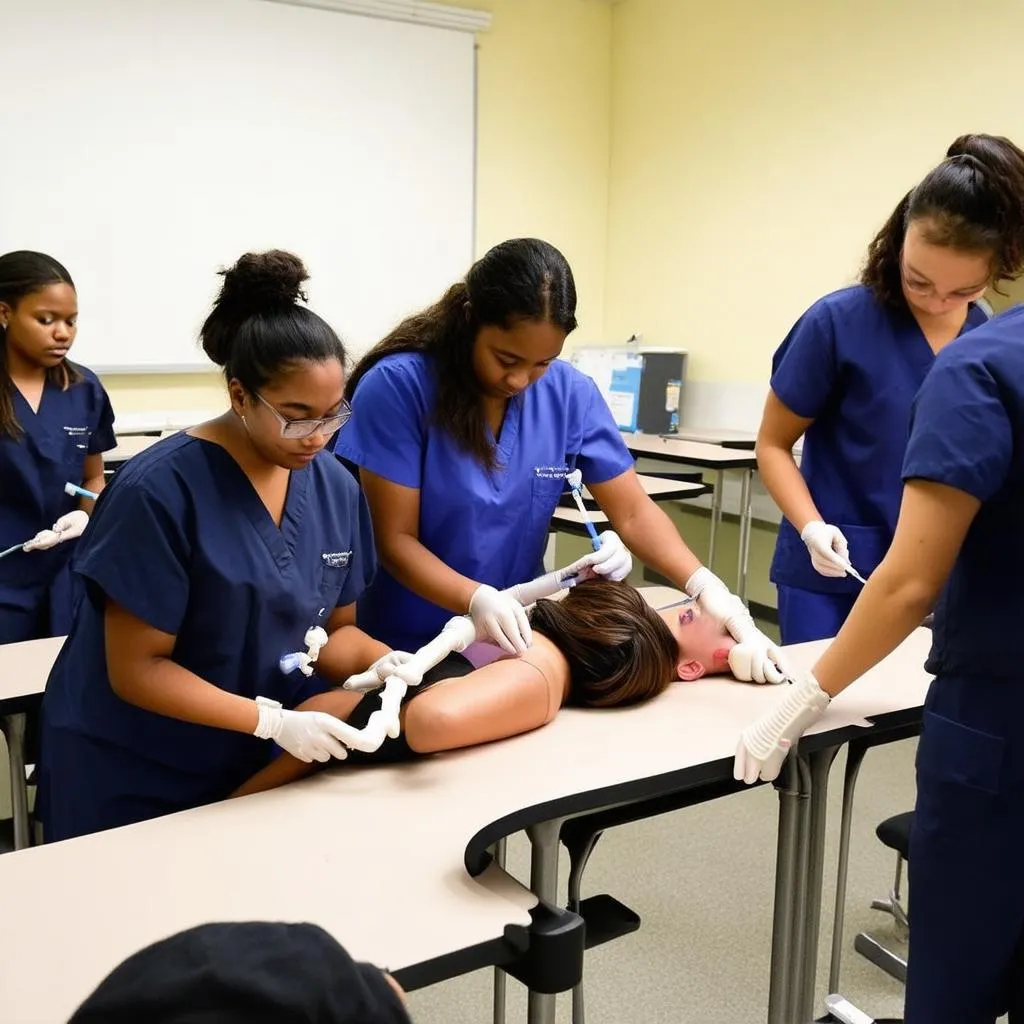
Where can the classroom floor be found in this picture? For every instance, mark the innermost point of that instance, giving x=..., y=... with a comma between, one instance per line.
x=701, y=955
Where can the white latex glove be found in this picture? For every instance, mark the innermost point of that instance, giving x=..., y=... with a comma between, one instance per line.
x=391, y=664
x=307, y=735
x=764, y=744
x=613, y=561
x=501, y=618
x=68, y=527
x=829, y=551
x=755, y=658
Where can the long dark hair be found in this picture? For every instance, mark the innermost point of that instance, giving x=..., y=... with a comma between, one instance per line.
x=22, y=273
x=523, y=279
x=973, y=202
x=256, y=326
x=619, y=649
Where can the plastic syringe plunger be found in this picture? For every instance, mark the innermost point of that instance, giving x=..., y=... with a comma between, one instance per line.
x=79, y=492
x=575, y=482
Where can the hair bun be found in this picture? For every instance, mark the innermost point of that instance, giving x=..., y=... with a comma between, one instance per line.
x=264, y=280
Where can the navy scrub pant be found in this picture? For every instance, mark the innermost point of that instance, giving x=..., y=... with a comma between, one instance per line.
x=966, y=963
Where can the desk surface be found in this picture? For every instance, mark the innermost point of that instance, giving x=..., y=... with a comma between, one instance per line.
x=127, y=447
x=24, y=669
x=724, y=436
x=127, y=423
x=691, y=453
x=659, y=488
x=373, y=854
x=346, y=850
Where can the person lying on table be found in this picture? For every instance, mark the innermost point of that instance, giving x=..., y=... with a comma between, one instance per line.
x=602, y=646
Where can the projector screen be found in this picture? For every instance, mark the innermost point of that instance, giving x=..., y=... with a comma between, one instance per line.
x=149, y=143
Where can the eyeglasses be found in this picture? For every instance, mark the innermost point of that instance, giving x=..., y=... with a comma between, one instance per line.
x=297, y=429
x=928, y=290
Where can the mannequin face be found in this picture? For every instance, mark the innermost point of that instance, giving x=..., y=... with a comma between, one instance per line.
x=704, y=646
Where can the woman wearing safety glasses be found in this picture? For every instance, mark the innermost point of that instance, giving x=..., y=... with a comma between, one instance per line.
x=845, y=376
x=210, y=559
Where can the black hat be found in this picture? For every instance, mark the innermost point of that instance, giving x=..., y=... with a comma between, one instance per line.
x=249, y=973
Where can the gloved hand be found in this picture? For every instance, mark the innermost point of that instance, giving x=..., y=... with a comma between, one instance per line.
x=829, y=551
x=501, y=618
x=307, y=735
x=755, y=658
x=394, y=663
x=764, y=744
x=613, y=561
x=68, y=527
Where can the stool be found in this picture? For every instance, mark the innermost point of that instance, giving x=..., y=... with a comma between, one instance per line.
x=894, y=833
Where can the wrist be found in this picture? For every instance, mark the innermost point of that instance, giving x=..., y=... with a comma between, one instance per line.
x=701, y=579
x=269, y=718
x=811, y=527
x=471, y=591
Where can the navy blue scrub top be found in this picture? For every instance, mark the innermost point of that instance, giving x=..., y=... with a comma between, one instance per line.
x=967, y=432
x=182, y=541
x=854, y=367
x=489, y=526
x=70, y=424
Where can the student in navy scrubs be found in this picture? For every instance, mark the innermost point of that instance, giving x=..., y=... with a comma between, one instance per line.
x=959, y=539
x=846, y=375
x=208, y=559
x=55, y=423
x=464, y=428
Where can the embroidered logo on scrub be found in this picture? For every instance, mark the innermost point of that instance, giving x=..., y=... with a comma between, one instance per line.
x=78, y=433
x=336, y=559
x=550, y=472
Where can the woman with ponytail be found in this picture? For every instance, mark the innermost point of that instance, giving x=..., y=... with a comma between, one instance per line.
x=847, y=373
x=211, y=557
x=465, y=426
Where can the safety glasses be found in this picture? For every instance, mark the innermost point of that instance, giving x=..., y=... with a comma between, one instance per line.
x=298, y=429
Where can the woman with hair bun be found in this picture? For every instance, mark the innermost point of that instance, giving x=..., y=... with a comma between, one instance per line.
x=847, y=373
x=208, y=560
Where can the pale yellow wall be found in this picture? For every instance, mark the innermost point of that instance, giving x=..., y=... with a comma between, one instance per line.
x=544, y=83
x=756, y=148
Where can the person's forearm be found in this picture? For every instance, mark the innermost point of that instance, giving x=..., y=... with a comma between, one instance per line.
x=285, y=768
x=425, y=574
x=94, y=484
x=886, y=613
x=164, y=687
x=348, y=651
x=650, y=535
x=785, y=483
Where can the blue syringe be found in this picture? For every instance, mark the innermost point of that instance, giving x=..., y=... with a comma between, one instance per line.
x=575, y=482
x=79, y=492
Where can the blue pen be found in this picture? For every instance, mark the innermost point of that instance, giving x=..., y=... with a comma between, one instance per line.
x=575, y=482
x=79, y=492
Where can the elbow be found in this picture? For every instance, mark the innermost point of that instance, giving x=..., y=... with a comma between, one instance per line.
x=429, y=728
x=122, y=682
x=912, y=593
x=768, y=448
x=126, y=680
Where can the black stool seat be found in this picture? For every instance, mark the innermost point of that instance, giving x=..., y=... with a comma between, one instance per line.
x=894, y=832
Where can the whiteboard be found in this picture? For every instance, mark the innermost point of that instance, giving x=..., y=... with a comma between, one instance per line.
x=149, y=143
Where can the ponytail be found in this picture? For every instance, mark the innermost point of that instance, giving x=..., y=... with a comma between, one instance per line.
x=972, y=202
